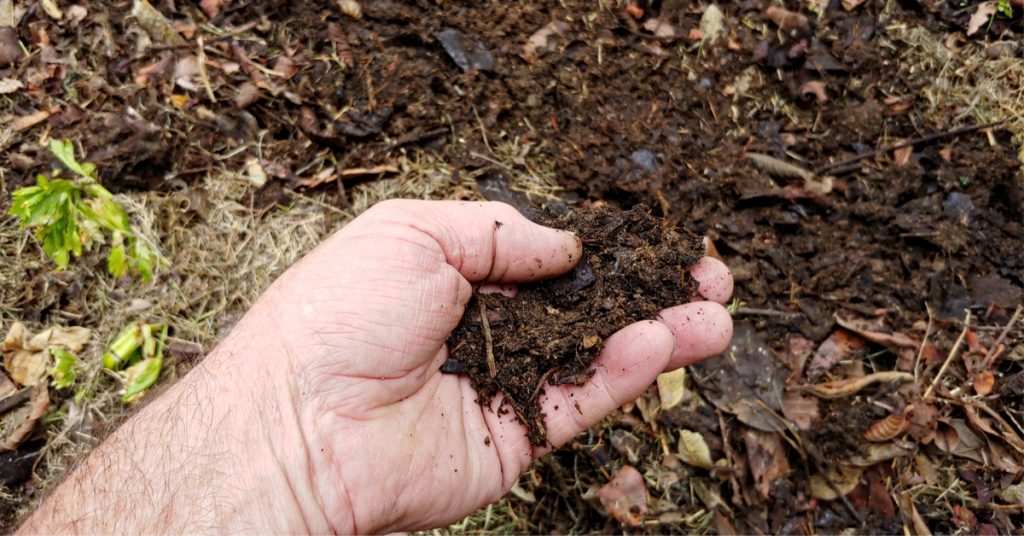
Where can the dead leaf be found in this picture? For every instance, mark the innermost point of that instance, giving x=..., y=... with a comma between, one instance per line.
x=955, y=437
x=543, y=40
x=72, y=339
x=880, y=452
x=767, y=458
x=254, y=172
x=909, y=509
x=352, y=8
x=787, y=20
x=671, y=388
x=635, y=11
x=901, y=156
x=27, y=368
x=841, y=388
x=871, y=331
x=887, y=428
x=26, y=122
x=693, y=450
x=662, y=29
x=51, y=9
x=27, y=359
x=747, y=380
x=802, y=409
x=983, y=382
x=844, y=477
x=778, y=168
x=978, y=422
x=247, y=94
x=981, y=17
x=816, y=88
x=17, y=424
x=839, y=346
x=9, y=85
x=285, y=67
x=211, y=7
x=850, y=5
x=923, y=420
x=625, y=497
x=1012, y=494
x=10, y=46
x=1003, y=459
x=7, y=387
x=712, y=24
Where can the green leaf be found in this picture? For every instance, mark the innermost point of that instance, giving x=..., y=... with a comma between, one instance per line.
x=140, y=377
x=63, y=372
x=117, y=261
x=64, y=150
x=142, y=259
x=124, y=347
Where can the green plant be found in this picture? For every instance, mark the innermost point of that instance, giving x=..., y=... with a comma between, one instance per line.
x=63, y=372
x=1004, y=7
x=70, y=215
x=140, y=348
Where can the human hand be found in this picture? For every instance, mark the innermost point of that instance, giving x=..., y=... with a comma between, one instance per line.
x=362, y=321
x=324, y=410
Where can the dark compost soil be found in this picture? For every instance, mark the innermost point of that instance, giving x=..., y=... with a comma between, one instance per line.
x=550, y=333
x=619, y=116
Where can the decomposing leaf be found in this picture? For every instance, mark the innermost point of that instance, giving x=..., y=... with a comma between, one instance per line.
x=747, y=380
x=26, y=122
x=871, y=331
x=850, y=5
x=778, y=168
x=767, y=459
x=352, y=8
x=909, y=509
x=887, y=427
x=671, y=387
x=802, y=409
x=27, y=368
x=839, y=346
x=9, y=85
x=211, y=7
x=254, y=172
x=983, y=382
x=844, y=477
x=51, y=9
x=901, y=156
x=18, y=423
x=468, y=53
x=981, y=17
x=543, y=40
x=155, y=24
x=787, y=20
x=841, y=388
x=712, y=24
x=880, y=452
x=1003, y=459
x=625, y=497
x=27, y=359
x=955, y=437
x=1012, y=494
x=72, y=339
x=662, y=29
x=693, y=450
x=10, y=47
x=923, y=420
x=7, y=387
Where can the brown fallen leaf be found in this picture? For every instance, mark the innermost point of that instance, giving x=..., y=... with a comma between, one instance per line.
x=787, y=20
x=211, y=7
x=908, y=509
x=839, y=346
x=767, y=459
x=923, y=420
x=9, y=85
x=285, y=67
x=887, y=428
x=10, y=47
x=662, y=29
x=802, y=409
x=841, y=388
x=543, y=40
x=981, y=17
x=693, y=450
x=18, y=423
x=850, y=5
x=777, y=167
x=844, y=477
x=955, y=437
x=876, y=453
x=798, y=350
x=26, y=122
x=983, y=382
x=352, y=8
x=870, y=331
x=625, y=497
x=901, y=156
x=27, y=359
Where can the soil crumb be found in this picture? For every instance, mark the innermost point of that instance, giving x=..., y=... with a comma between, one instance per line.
x=633, y=266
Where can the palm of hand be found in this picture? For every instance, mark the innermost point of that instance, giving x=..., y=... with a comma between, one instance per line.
x=393, y=443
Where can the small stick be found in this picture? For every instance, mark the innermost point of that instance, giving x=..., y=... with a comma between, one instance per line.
x=920, y=352
x=15, y=399
x=906, y=143
x=492, y=367
x=952, y=353
x=990, y=357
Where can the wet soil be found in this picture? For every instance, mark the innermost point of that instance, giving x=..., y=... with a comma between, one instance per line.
x=620, y=116
x=550, y=333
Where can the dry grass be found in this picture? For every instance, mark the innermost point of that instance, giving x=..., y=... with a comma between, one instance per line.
x=967, y=86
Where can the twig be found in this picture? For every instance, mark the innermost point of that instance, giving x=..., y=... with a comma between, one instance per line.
x=952, y=353
x=924, y=341
x=203, y=74
x=991, y=355
x=906, y=143
x=492, y=367
x=752, y=311
x=15, y=399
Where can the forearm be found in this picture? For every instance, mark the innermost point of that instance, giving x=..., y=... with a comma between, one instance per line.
x=212, y=454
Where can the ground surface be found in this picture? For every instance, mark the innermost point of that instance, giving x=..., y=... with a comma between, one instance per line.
x=245, y=133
